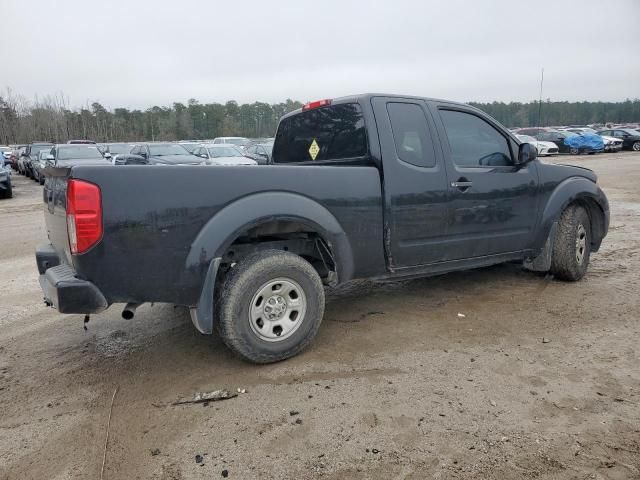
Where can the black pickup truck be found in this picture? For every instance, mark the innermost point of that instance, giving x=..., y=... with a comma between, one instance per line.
x=367, y=186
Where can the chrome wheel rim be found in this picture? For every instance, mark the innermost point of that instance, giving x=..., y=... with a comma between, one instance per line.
x=277, y=309
x=581, y=244
x=636, y=146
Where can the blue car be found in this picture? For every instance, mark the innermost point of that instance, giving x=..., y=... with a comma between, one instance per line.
x=584, y=143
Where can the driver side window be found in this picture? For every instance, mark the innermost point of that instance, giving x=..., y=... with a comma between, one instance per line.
x=474, y=142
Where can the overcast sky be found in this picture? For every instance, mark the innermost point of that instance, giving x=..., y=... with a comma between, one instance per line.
x=138, y=53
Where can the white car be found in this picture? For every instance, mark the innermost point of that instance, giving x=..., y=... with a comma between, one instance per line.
x=544, y=148
x=222, y=154
x=612, y=144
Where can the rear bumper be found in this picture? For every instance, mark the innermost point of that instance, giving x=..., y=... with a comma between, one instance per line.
x=63, y=289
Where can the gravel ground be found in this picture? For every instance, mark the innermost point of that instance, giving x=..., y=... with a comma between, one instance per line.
x=396, y=385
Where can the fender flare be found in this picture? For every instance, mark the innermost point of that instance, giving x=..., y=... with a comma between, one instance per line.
x=224, y=227
x=568, y=191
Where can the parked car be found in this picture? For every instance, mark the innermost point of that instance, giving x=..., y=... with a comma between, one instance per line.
x=260, y=152
x=30, y=155
x=630, y=138
x=365, y=186
x=5, y=152
x=237, y=141
x=15, y=155
x=548, y=135
x=115, y=149
x=20, y=159
x=39, y=165
x=544, y=148
x=159, y=154
x=6, y=189
x=68, y=155
x=221, y=154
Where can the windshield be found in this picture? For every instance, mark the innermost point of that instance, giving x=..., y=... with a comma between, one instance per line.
x=35, y=149
x=217, y=152
x=117, y=148
x=167, y=149
x=526, y=138
x=77, y=152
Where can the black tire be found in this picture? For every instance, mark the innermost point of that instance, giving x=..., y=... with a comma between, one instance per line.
x=572, y=242
x=41, y=180
x=242, y=284
x=636, y=147
x=8, y=193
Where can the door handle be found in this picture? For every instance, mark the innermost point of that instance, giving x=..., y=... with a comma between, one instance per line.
x=462, y=184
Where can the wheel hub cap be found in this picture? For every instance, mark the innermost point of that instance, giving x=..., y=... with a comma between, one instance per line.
x=581, y=244
x=277, y=309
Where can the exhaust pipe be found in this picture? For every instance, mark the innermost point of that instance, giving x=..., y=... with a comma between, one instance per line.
x=130, y=310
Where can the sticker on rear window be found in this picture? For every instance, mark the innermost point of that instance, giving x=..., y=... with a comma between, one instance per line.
x=314, y=149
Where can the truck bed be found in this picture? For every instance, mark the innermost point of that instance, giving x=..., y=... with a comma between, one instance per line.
x=153, y=216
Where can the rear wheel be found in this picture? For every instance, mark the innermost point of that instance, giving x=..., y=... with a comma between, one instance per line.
x=270, y=306
x=572, y=244
x=636, y=146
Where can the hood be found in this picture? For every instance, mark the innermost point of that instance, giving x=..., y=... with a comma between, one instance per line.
x=231, y=161
x=557, y=170
x=82, y=161
x=176, y=160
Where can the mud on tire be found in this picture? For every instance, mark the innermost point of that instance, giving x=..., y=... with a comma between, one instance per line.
x=251, y=309
x=572, y=244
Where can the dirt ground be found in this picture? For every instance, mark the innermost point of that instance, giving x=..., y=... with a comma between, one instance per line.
x=397, y=384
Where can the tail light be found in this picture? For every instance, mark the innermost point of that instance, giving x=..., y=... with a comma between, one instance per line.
x=317, y=104
x=84, y=215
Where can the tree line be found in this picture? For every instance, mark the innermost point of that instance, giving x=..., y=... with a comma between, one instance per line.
x=51, y=118
x=548, y=113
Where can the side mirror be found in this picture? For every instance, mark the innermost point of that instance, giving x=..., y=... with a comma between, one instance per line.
x=50, y=158
x=526, y=153
x=107, y=155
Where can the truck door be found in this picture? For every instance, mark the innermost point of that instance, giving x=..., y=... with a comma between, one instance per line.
x=493, y=202
x=415, y=182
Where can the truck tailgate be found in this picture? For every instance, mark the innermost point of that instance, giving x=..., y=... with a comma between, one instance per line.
x=55, y=200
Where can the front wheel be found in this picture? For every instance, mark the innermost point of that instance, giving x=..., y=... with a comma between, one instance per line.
x=636, y=146
x=270, y=306
x=572, y=245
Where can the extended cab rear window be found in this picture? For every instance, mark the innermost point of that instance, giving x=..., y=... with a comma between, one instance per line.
x=336, y=132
